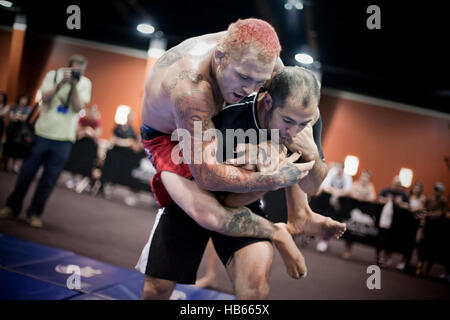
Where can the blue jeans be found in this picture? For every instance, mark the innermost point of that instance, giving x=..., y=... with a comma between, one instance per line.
x=53, y=155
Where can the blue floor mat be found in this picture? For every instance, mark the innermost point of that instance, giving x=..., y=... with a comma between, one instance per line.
x=15, y=252
x=95, y=275
x=14, y=286
x=30, y=271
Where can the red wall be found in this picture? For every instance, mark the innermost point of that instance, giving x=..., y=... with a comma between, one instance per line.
x=385, y=140
x=5, y=42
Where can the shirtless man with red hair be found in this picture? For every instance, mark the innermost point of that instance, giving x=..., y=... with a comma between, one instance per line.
x=192, y=82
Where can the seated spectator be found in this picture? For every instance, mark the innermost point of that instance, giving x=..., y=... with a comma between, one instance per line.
x=4, y=110
x=416, y=205
x=389, y=196
x=338, y=184
x=436, y=205
x=90, y=125
x=13, y=152
x=362, y=190
x=416, y=197
x=124, y=135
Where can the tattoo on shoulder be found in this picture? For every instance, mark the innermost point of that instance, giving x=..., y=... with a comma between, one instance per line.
x=190, y=75
x=195, y=106
x=174, y=54
x=168, y=58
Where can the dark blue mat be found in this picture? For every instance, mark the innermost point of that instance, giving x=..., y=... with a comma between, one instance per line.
x=16, y=252
x=95, y=275
x=129, y=290
x=29, y=271
x=14, y=286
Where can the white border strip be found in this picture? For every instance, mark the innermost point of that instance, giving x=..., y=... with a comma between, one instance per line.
x=19, y=26
x=384, y=103
x=141, y=54
x=141, y=265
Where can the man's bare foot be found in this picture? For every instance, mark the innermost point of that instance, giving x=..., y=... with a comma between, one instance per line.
x=317, y=225
x=206, y=282
x=292, y=257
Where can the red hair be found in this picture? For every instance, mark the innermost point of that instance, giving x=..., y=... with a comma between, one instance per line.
x=255, y=33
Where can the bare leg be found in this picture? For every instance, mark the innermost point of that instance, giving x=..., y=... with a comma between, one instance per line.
x=348, y=250
x=157, y=289
x=249, y=271
x=303, y=221
x=212, y=263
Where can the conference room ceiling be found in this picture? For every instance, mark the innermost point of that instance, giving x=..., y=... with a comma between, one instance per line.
x=404, y=61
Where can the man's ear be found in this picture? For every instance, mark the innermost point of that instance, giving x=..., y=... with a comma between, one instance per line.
x=267, y=102
x=316, y=117
x=219, y=56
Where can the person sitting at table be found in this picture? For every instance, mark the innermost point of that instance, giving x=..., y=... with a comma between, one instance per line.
x=362, y=190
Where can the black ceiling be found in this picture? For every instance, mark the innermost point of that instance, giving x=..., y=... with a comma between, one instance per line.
x=405, y=61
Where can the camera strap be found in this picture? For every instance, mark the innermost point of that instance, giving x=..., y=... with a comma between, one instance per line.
x=66, y=105
x=30, y=115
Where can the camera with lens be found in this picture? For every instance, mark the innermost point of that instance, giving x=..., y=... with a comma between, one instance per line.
x=76, y=74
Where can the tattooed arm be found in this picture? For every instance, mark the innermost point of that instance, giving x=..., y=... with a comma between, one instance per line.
x=203, y=207
x=195, y=104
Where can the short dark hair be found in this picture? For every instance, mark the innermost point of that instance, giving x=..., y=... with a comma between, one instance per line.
x=294, y=82
x=77, y=58
x=23, y=96
x=417, y=183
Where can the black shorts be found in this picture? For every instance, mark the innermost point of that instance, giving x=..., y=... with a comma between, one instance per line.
x=178, y=243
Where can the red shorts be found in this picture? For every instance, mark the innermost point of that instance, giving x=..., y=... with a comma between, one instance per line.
x=159, y=151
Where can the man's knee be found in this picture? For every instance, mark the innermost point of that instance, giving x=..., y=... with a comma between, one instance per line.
x=157, y=289
x=259, y=284
x=250, y=270
x=256, y=288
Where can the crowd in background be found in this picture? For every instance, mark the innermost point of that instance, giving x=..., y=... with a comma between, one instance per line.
x=11, y=117
x=88, y=127
x=424, y=207
x=51, y=138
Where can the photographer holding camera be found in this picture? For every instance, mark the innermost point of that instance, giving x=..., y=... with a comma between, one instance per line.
x=64, y=93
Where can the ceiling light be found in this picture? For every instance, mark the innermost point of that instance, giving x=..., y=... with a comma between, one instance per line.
x=291, y=4
x=351, y=164
x=145, y=28
x=7, y=4
x=406, y=176
x=121, y=116
x=304, y=58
